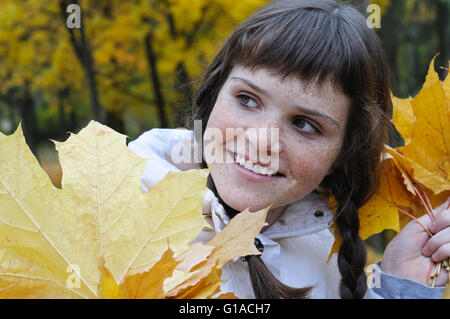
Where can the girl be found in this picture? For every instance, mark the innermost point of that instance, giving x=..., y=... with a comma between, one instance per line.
x=315, y=71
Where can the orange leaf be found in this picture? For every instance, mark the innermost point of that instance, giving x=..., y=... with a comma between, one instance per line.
x=429, y=148
x=380, y=212
x=403, y=117
x=236, y=239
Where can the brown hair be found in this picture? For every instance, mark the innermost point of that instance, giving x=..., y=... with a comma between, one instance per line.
x=317, y=41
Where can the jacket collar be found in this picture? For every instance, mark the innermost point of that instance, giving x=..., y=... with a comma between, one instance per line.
x=305, y=216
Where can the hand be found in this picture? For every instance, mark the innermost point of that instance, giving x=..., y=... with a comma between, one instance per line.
x=409, y=254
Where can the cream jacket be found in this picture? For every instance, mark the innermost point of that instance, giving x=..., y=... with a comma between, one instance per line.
x=296, y=245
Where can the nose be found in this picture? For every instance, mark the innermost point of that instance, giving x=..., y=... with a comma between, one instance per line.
x=262, y=144
x=272, y=123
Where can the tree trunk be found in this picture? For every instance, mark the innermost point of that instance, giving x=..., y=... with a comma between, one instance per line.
x=442, y=9
x=62, y=95
x=12, y=110
x=390, y=35
x=90, y=75
x=84, y=54
x=184, y=86
x=73, y=120
x=28, y=118
x=115, y=121
x=155, y=81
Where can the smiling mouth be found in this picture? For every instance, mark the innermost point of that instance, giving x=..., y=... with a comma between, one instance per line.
x=278, y=174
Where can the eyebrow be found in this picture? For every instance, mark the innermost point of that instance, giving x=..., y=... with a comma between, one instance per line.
x=299, y=107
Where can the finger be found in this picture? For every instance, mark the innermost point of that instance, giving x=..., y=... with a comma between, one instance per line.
x=441, y=207
x=439, y=239
x=442, y=279
x=441, y=253
x=441, y=221
x=424, y=219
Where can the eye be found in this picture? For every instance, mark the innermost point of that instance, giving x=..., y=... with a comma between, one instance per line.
x=302, y=123
x=245, y=99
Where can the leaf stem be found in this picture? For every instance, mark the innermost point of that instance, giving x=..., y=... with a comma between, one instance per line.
x=423, y=203
x=426, y=197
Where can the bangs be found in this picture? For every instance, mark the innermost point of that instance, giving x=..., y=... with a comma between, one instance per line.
x=308, y=43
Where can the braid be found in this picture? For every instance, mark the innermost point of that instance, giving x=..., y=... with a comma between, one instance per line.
x=352, y=253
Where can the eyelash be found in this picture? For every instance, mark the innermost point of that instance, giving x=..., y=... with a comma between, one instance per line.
x=299, y=118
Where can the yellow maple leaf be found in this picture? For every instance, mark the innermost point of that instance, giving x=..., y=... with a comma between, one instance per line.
x=446, y=86
x=429, y=148
x=403, y=117
x=55, y=242
x=421, y=165
x=195, y=274
x=380, y=212
x=236, y=239
x=415, y=207
x=145, y=285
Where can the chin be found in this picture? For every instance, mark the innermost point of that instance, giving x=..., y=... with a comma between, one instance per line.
x=240, y=202
x=234, y=194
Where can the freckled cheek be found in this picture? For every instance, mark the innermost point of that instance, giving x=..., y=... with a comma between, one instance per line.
x=225, y=115
x=307, y=172
x=310, y=167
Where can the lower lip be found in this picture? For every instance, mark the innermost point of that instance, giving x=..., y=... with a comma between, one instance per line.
x=252, y=176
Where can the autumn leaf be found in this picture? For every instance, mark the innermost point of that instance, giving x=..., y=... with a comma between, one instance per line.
x=195, y=274
x=415, y=208
x=235, y=240
x=420, y=167
x=403, y=117
x=99, y=218
x=429, y=148
x=381, y=211
x=403, y=165
x=146, y=285
x=446, y=86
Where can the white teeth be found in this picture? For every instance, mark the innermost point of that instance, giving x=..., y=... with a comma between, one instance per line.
x=254, y=167
x=240, y=159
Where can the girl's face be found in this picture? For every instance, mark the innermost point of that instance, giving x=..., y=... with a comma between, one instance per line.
x=311, y=126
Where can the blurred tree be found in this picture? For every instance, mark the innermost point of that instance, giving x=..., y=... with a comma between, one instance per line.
x=136, y=64
x=136, y=58
x=24, y=48
x=412, y=32
x=442, y=25
x=83, y=52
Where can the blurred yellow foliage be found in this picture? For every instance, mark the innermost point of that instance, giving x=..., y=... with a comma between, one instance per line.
x=36, y=47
